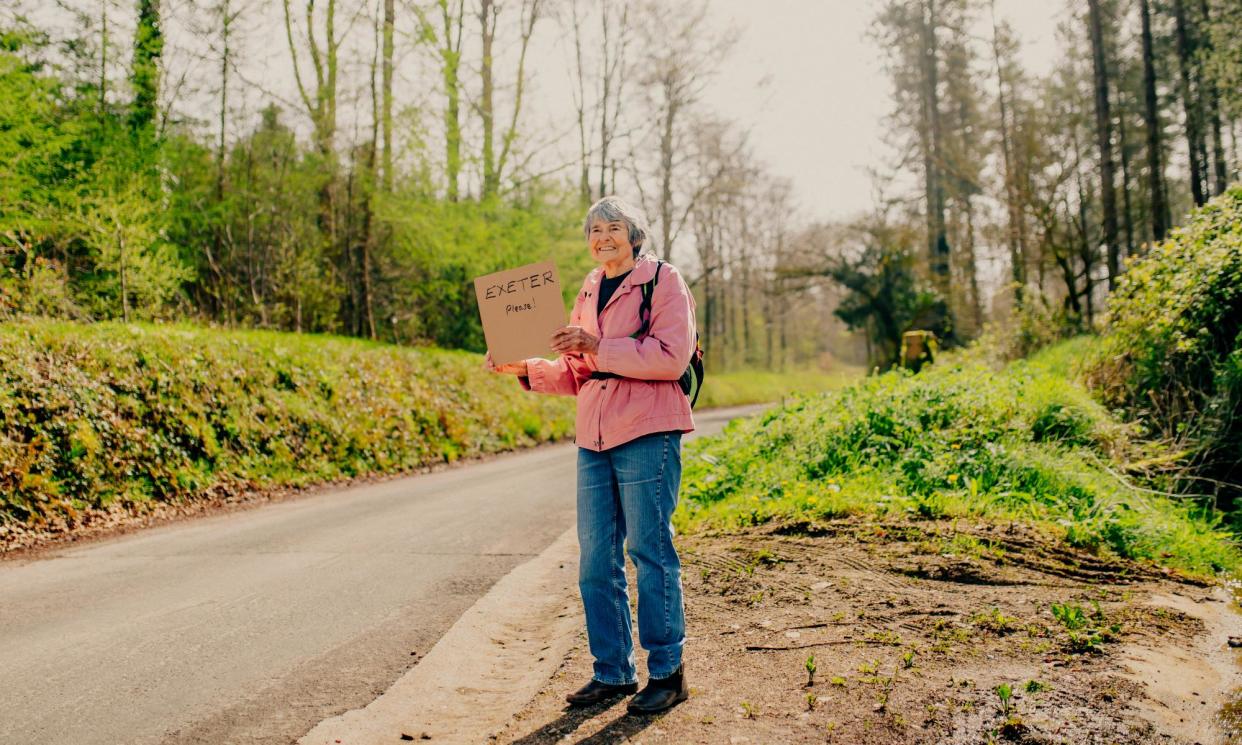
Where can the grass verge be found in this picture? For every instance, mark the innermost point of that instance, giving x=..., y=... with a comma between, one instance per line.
x=961, y=440
x=93, y=416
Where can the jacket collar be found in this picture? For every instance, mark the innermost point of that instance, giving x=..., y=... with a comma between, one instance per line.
x=644, y=271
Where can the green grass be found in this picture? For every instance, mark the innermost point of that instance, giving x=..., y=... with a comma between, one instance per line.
x=759, y=386
x=962, y=439
x=92, y=415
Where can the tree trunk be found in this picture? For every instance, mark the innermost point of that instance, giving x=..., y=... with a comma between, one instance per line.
x=120, y=247
x=937, y=240
x=1126, y=204
x=450, y=58
x=584, y=161
x=103, y=59
x=367, y=244
x=1212, y=94
x=1104, y=139
x=529, y=18
x=321, y=108
x=487, y=113
x=666, y=172
x=1155, y=153
x=389, y=22
x=1017, y=258
x=972, y=266
x=610, y=102
x=1194, y=134
x=225, y=22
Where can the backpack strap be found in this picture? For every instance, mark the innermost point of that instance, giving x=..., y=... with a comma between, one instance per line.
x=644, y=309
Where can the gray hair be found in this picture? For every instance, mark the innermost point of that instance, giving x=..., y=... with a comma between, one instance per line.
x=612, y=209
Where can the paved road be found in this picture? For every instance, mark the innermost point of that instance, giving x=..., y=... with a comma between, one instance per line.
x=254, y=626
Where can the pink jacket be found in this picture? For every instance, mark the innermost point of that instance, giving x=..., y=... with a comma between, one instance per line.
x=647, y=399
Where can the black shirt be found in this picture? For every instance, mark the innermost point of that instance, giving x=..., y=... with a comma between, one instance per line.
x=607, y=286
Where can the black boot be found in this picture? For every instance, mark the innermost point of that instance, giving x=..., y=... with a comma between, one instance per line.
x=661, y=694
x=595, y=692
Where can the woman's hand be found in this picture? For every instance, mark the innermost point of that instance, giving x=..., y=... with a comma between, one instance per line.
x=574, y=339
x=510, y=368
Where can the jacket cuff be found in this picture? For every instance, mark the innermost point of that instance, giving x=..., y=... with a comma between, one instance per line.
x=536, y=378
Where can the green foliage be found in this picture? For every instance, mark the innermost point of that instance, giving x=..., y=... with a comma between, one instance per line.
x=884, y=299
x=113, y=413
x=736, y=388
x=961, y=439
x=100, y=218
x=1173, y=357
x=82, y=229
x=145, y=70
x=442, y=246
x=1036, y=325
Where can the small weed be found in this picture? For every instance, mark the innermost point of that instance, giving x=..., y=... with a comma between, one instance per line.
x=907, y=659
x=748, y=710
x=1004, y=692
x=764, y=557
x=1071, y=617
x=869, y=668
x=996, y=622
x=810, y=670
x=1087, y=632
x=837, y=680
x=811, y=700
x=886, y=691
x=885, y=636
x=1035, y=686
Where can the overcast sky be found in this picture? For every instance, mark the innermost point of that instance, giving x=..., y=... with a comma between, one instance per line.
x=818, y=116
x=820, y=120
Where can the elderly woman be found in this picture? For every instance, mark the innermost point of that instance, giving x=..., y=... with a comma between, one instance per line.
x=631, y=415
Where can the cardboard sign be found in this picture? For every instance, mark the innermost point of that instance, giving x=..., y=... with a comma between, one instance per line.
x=520, y=309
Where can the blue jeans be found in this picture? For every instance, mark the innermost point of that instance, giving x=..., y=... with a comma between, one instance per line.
x=626, y=497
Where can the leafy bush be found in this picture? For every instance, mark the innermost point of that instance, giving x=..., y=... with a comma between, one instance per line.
x=1173, y=357
x=1036, y=325
x=94, y=415
x=960, y=439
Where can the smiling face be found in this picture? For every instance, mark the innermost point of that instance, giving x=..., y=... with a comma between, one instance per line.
x=610, y=243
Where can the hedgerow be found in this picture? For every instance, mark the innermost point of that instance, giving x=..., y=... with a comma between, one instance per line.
x=1173, y=354
x=104, y=414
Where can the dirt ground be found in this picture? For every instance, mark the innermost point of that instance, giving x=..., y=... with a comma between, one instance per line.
x=912, y=628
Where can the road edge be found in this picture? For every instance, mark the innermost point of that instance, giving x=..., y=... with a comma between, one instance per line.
x=485, y=668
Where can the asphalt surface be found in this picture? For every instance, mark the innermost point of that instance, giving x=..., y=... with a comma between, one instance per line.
x=252, y=627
